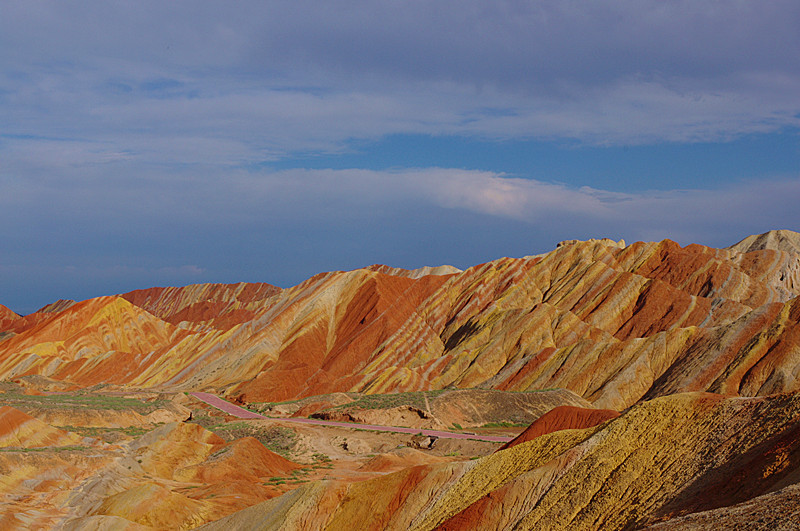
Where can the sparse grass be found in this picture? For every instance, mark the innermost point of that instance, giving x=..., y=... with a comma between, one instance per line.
x=321, y=461
x=91, y=431
x=505, y=424
x=81, y=401
x=386, y=401
x=220, y=452
x=275, y=438
x=45, y=449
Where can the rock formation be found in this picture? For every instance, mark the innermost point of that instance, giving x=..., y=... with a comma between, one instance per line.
x=612, y=323
x=661, y=384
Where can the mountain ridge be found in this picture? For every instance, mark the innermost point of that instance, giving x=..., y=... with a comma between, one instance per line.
x=611, y=322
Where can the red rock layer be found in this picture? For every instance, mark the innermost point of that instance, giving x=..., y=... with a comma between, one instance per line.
x=219, y=305
x=7, y=319
x=102, y=340
x=334, y=336
x=13, y=323
x=562, y=418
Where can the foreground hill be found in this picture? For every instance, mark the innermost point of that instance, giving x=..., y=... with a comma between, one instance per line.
x=664, y=458
x=612, y=323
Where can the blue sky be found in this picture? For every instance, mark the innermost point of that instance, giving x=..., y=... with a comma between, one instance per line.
x=168, y=143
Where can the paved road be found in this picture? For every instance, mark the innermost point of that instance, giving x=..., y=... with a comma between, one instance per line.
x=242, y=413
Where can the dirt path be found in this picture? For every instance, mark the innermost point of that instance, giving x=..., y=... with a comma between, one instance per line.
x=242, y=413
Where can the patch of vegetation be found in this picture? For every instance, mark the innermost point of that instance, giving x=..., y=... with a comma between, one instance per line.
x=81, y=401
x=204, y=419
x=391, y=400
x=45, y=449
x=91, y=431
x=275, y=438
x=505, y=424
x=219, y=453
x=109, y=435
x=457, y=426
x=321, y=461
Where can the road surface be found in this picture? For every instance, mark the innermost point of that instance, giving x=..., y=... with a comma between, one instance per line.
x=243, y=413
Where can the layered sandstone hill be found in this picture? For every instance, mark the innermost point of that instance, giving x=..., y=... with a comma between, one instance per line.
x=612, y=323
x=18, y=429
x=177, y=476
x=674, y=455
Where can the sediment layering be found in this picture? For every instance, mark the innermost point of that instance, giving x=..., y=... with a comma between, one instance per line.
x=672, y=375
x=612, y=323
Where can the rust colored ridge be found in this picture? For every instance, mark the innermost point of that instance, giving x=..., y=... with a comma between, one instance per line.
x=8, y=319
x=18, y=429
x=11, y=322
x=562, y=418
x=219, y=305
x=399, y=459
x=109, y=312
x=612, y=324
x=751, y=279
x=245, y=459
x=7, y=315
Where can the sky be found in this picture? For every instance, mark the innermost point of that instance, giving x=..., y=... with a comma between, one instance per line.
x=150, y=143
